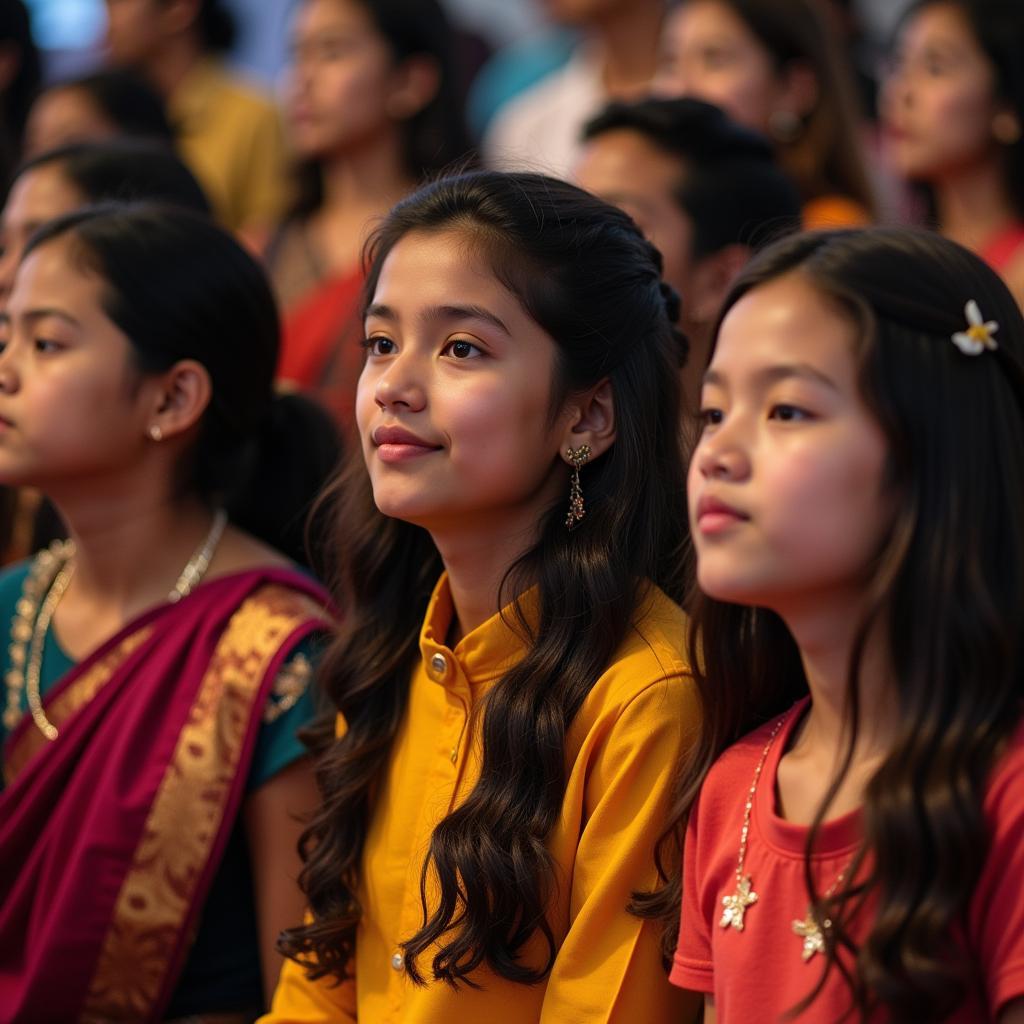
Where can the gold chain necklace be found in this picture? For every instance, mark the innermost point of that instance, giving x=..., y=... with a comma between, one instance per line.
x=743, y=896
x=50, y=575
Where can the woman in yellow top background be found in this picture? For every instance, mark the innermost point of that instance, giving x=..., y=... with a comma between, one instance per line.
x=511, y=683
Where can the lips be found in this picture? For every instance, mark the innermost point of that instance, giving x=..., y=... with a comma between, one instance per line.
x=714, y=515
x=396, y=444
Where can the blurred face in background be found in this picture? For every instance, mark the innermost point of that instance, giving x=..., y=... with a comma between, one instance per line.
x=625, y=169
x=345, y=88
x=63, y=115
x=38, y=195
x=135, y=30
x=583, y=12
x=938, y=103
x=709, y=52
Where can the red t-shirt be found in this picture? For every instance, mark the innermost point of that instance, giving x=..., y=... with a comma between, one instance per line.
x=758, y=974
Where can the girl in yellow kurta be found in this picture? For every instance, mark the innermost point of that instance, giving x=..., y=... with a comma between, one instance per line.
x=511, y=685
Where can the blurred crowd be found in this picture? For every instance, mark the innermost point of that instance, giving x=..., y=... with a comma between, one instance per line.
x=717, y=124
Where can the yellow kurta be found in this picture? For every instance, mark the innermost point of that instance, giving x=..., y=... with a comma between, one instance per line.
x=231, y=137
x=622, y=754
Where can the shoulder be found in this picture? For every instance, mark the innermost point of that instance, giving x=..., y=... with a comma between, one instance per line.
x=729, y=777
x=558, y=104
x=12, y=579
x=653, y=649
x=834, y=211
x=648, y=679
x=244, y=96
x=1004, y=795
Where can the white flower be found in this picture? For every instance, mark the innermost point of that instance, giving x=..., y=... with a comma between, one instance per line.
x=978, y=335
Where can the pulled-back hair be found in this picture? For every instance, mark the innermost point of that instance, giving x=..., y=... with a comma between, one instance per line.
x=126, y=99
x=179, y=287
x=729, y=185
x=584, y=273
x=946, y=594
x=124, y=170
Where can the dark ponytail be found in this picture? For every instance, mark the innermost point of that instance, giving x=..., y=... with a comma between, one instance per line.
x=180, y=287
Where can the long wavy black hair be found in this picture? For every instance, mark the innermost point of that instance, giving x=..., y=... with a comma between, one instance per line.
x=947, y=591
x=585, y=274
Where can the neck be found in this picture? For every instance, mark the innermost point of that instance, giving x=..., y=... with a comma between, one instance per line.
x=130, y=549
x=975, y=205
x=825, y=633
x=373, y=177
x=627, y=40
x=168, y=68
x=477, y=559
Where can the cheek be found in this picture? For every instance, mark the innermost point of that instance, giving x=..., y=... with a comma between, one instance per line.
x=828, y=507
x=744, y=93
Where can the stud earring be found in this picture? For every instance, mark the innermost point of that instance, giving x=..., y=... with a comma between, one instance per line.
x=156, y=433
x=577, y=457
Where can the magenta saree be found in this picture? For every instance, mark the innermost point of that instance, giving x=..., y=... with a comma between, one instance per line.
x=110, y=836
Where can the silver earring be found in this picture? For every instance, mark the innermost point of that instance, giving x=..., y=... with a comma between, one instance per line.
x=577, y=457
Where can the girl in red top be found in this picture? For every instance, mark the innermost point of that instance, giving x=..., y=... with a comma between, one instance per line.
x=854, y=501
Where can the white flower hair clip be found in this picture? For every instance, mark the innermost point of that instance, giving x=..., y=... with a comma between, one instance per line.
x=978, y=335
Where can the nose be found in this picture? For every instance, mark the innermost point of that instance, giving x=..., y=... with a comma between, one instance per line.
x=400, y=384
x=9, y=380
x=722, y=456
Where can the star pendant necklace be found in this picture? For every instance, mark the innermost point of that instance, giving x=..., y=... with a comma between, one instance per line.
x=743, y=896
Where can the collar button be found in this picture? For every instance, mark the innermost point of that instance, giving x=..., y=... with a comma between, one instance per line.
x=439, y=666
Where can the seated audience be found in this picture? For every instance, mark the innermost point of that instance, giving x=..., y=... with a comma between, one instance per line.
x=104, y=105
x=953, y=111
x=229, y=132
x=774, y=66
x=616, y=58
x=372, y=110
x=704, y=190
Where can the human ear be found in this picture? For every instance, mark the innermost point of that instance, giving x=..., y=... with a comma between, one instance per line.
x=591, y=420
x=417, y=80
x=180, y=396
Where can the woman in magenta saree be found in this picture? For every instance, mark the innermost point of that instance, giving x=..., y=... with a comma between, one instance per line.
x=127, y=772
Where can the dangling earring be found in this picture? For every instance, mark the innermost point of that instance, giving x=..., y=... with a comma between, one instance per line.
x=577, y=457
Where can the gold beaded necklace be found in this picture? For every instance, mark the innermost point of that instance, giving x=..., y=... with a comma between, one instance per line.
x=45, y=585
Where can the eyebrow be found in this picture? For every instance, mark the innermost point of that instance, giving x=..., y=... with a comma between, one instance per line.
x=39, y=314
x=783, y=371
x=444, y=313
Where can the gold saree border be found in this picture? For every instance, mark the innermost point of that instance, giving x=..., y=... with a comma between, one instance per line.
x=72, y=699
x=187, y=812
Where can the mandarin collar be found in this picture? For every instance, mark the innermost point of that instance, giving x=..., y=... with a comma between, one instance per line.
x=482, y=655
